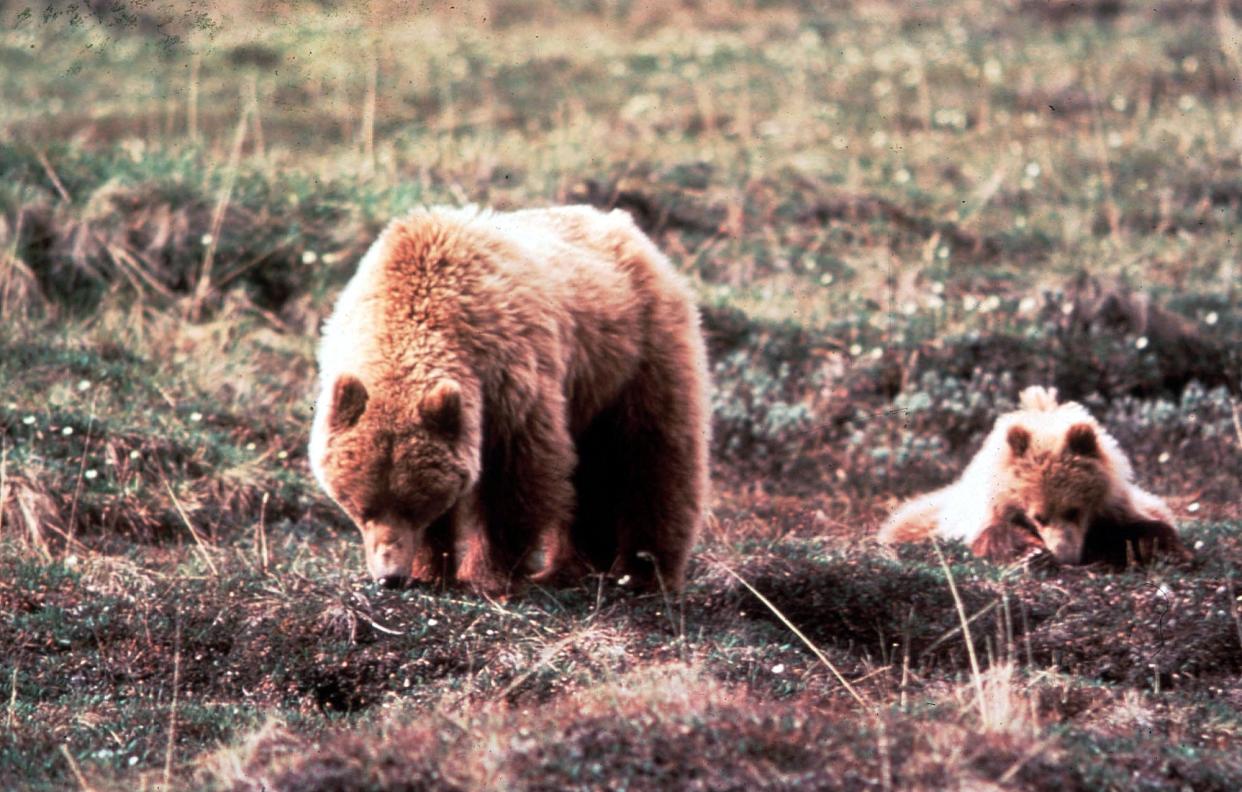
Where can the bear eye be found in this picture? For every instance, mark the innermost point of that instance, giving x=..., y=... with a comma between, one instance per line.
x=1072, y=515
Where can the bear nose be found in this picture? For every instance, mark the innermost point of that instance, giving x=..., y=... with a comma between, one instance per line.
x=392, y=581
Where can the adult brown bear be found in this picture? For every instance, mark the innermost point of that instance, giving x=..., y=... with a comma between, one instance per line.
x=494, y=385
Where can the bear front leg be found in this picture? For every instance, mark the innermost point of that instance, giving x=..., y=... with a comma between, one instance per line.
x=526, y=492
x=1011, y=538
x=1121, y=539
x=434, y=559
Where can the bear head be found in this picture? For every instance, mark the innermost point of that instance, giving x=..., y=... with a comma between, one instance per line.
x=1060, y=487
x=395, y=461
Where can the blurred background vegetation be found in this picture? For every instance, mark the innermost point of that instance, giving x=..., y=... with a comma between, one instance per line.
x=896, y=216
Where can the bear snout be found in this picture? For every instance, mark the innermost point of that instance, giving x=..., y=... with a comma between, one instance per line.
x=1064, y=542
x=389, y=546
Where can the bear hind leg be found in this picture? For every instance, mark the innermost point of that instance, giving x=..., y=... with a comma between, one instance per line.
x=642, y=480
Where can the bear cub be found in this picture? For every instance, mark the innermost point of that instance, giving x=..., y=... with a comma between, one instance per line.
x=1048, y=482
x=505, y=394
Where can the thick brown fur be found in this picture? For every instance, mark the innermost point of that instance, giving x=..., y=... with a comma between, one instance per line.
x=527, y=381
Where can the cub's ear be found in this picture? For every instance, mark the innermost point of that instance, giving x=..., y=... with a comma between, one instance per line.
x=1019, y=440
x=1081, y=440
x=349, y=402
x=441, y=406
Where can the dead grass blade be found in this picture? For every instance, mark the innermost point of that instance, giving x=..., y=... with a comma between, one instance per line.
x=202, y=286
x=12, y=699
x=975, y=674
x=936, y=644
x=546, y=656
x=801, y=636
x=1233, y=609
x=202, y=546
x=1028, y=755
x=55, y=179
x=172, y=713
x=77, y=771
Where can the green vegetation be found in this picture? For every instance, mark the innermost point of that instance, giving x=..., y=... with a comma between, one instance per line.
x=897, y=215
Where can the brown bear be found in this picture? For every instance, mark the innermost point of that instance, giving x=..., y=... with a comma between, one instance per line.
x=1048, y=481
x=498, y=389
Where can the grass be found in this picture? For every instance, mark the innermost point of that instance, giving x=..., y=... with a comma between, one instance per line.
x=895, y=217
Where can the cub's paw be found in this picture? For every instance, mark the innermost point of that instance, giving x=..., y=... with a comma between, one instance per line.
x=1013, y=539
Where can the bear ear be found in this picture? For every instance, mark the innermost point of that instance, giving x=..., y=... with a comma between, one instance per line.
x=1019, y=439
x=1081, y=440
x=441, y=406
x=349, y=402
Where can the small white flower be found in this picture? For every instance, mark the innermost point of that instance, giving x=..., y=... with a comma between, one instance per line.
x=282, y=455
x=1163, y=458
x=1027, y=305
x=68, y=430
x=196, y=416
x=309, y=257
x=990, y=303
x=1140, y=342
x=330, y=258
x=131, y=761
x=942, y=252
x=970, y=302
x=826, y=279
x=992, y=70
x=1187, y=102
x=1190, y=64
x=84, y=385
x=856, y=349
x=250, y=446
x=1020, y=221
x=1119, y=103
x=902, y=176
x=134, y=454
x=625, y=579
x=1194, y=507
x=71, y=560
x=1211, y=318
x=1114, y=139
x=877, y=353
x=91, y=474
x=29, y=420
x=935, y=302
x=1032, y=169
x=207, y=239
x=432, y=622
x=779, y=668
x=1067, y=308
x=937, y=287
